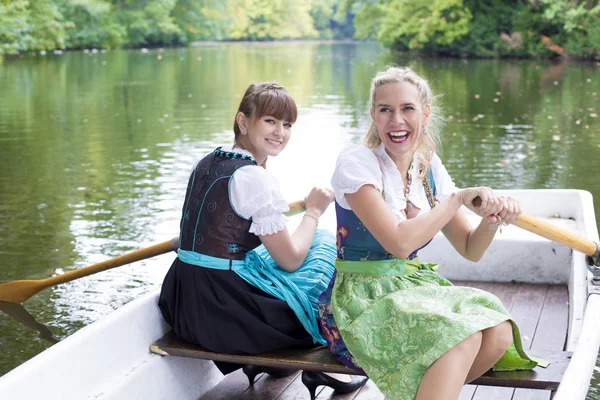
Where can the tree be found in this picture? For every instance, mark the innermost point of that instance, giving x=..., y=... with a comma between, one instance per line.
x=271, y=19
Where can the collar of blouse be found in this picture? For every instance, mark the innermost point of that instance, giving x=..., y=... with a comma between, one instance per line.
x=393, y=183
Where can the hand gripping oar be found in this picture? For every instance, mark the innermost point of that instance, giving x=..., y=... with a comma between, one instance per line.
x=562, y=236
x=19, y=291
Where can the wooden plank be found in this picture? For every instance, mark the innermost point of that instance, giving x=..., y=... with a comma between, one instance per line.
x=540, y=378
x=551, y=331
x=493, y=393
x=230, y=388
x=527, y=309
x=268, y=387
x=467, y=392
x=318, y=359
x=369, y=392
x=296, y=391
x=531, y=394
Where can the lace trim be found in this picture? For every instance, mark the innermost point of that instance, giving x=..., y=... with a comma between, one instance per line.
x=267, y=227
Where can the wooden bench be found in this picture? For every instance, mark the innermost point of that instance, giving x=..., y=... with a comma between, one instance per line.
x=320, y=359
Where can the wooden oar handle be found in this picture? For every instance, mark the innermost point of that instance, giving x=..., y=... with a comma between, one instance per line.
x=552, y=232
x=128, y=258
x=296, y=207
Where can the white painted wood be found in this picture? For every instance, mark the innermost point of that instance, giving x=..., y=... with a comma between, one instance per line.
x=110, y=360
x=576, y=380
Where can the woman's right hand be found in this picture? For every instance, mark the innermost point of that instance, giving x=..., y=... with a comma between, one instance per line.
x=318, y=200
x=490, y=203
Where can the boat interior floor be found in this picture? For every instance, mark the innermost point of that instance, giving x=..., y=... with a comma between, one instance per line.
x=540, y=311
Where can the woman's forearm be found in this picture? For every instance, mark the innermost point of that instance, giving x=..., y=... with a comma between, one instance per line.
x=416, y=232
x=478, y=241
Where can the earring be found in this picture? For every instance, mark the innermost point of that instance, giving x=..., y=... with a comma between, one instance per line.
x=424, y=131
x=244, y=132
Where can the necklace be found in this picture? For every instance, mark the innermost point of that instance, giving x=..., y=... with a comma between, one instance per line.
x=407, y=191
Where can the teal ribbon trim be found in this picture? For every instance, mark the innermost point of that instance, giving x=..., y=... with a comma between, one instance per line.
x=393, y=267
x=266, y=278
x=203, y=260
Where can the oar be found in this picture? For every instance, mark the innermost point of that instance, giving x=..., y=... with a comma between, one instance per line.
x=558, y=235
x=20, y=314
x=19, y=291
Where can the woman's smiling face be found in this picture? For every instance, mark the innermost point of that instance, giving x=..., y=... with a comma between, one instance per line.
x=398, y=114
x=268, y=136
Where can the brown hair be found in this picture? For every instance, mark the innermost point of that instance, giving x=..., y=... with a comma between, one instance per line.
x=429, y=143
x=266, y=98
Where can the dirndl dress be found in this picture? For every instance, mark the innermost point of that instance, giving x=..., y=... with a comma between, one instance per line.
x=392, y=318
x=224, y=291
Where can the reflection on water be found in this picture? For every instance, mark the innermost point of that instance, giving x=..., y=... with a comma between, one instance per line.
x=21, y=315
x=96, y=150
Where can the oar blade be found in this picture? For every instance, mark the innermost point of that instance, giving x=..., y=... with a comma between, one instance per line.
x=19, y=291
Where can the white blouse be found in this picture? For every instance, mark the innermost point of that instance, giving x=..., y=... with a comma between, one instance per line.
x=254, y=194
x=358, y=165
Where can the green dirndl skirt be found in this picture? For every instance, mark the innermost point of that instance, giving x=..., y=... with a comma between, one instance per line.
x=398, y=316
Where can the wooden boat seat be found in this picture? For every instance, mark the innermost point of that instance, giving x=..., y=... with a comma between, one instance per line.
x=320, y=359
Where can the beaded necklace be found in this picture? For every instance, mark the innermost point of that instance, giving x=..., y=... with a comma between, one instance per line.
x=428, y=191
x=407, y=188
x=426, y=185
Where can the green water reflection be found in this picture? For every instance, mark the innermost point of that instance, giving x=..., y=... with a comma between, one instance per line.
x=96, y=148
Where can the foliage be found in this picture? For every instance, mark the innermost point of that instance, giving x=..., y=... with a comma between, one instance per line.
x=576, y=23
x=33, y=25
x=91, y=25
x=483, y=29
x=464, y=28
x=271, y=19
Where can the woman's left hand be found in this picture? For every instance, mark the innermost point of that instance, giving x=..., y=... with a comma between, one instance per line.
x=509, y=211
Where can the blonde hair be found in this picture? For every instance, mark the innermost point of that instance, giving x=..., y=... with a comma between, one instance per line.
x=428, y=143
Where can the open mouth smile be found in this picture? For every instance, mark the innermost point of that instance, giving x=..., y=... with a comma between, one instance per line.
x=398, y=136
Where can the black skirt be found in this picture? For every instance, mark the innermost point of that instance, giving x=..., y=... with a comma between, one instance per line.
x=221, y=312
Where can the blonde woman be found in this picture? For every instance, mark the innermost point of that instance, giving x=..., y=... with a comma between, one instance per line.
x=385, y=313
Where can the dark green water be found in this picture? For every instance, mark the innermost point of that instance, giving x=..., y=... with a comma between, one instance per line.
x=96, y=150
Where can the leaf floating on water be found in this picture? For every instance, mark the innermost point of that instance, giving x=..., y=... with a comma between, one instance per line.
x=593, y=115
x=556, y=138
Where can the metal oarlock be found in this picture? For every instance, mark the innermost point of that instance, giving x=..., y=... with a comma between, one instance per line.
x=593, y=265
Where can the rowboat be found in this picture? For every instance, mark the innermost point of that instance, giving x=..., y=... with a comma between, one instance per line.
x=547, y=286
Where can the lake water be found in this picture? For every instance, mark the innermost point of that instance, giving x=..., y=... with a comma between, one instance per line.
x=96, y=149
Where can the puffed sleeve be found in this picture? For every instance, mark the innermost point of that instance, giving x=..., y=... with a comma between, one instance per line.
x=443, y=182
x=255, y=194
x=356, y=166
